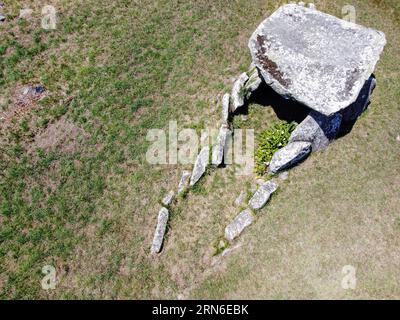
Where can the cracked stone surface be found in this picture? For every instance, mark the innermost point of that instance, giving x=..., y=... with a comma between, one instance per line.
x=200, y=165
x=314, y=58
x=158, y=239
x=225, y=107
x=262, y=195
x=317, y=129
x=289, y=155
x=236, y=227
x=237, y=96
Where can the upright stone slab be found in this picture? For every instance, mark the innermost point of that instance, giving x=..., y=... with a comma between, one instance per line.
x=238, y=92
x=220, y=146
x=289, y=155
x=200, y=165
x=317, y=129
x=183, y=183
x=158, y=239
x=236, y=227
x=315, y=58
x=262, y=195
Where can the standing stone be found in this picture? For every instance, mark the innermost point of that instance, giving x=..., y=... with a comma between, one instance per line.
x=158, y=239
x=167, y=200
x=235, y=228
x=254, y=80
x=314, y=58
x=262, y=195
x=220, y=146
x=200, y=165
x=353, y=111
x=238, y=92
x=239, y=200
x=225, y=108
x=317, y=129
x=289, y=155
x=184, y=181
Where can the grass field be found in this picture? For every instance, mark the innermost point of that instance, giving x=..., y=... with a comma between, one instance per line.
x=77, y=193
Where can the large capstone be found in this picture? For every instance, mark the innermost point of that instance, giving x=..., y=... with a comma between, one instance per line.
x=289, y=155
x=315, y=58
x=317, y=129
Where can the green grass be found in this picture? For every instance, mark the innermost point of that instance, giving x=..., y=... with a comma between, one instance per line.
x=116, y=69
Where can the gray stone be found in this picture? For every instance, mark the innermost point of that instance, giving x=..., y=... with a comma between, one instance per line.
x=225, y=108
x=254, y=80
x=236, y=227
x=220, y=146
x=314, y=58
x=262, y=195
x=317, y=129
x=200, y=165
x=2, y=17
x=238, y=92
x=239, y=200
x=184, y=181
x=289, y=155
x=353, y=111
x=167, y=200
x=25, y=13
x=158, y=239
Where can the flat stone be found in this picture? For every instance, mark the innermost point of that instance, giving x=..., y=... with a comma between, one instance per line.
x=289, y=155
x=236, y=227
x=238, y=94
x=317, y=129
x=183, y=183
x=262, y=195
x=225, y=107
x=158, y=239
x=220, y=146
x=353, y=111
x=167, y=200
x=314, y=58
x=200, y=165
x=239, y=200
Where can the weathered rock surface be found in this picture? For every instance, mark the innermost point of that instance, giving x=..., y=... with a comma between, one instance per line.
x=289, y=155
x=317, y=129
x=167, y=200
x=200, y=165
x=225, y=108
x=183, y=183
x=315, y=58
x=2, y=17
x=220, y=146
x=238, y=94
x=262, y=195
x=158, y=239
x=353, y=111
x=236, y=227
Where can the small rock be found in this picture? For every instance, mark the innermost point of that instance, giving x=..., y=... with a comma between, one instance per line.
x=239, y=200
x=2, y=17
x=317, y=129
x=284, y=175
x=398, y=138
x=200, y=165
x=25, y=13
x=238, y=93
x=262, y=195
x=219, y=148
x=225, y=108
x=166, y=201
x=311, y=6
x=158, y=239
x=184, y=181
x=289, y=155
x=235, y=228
